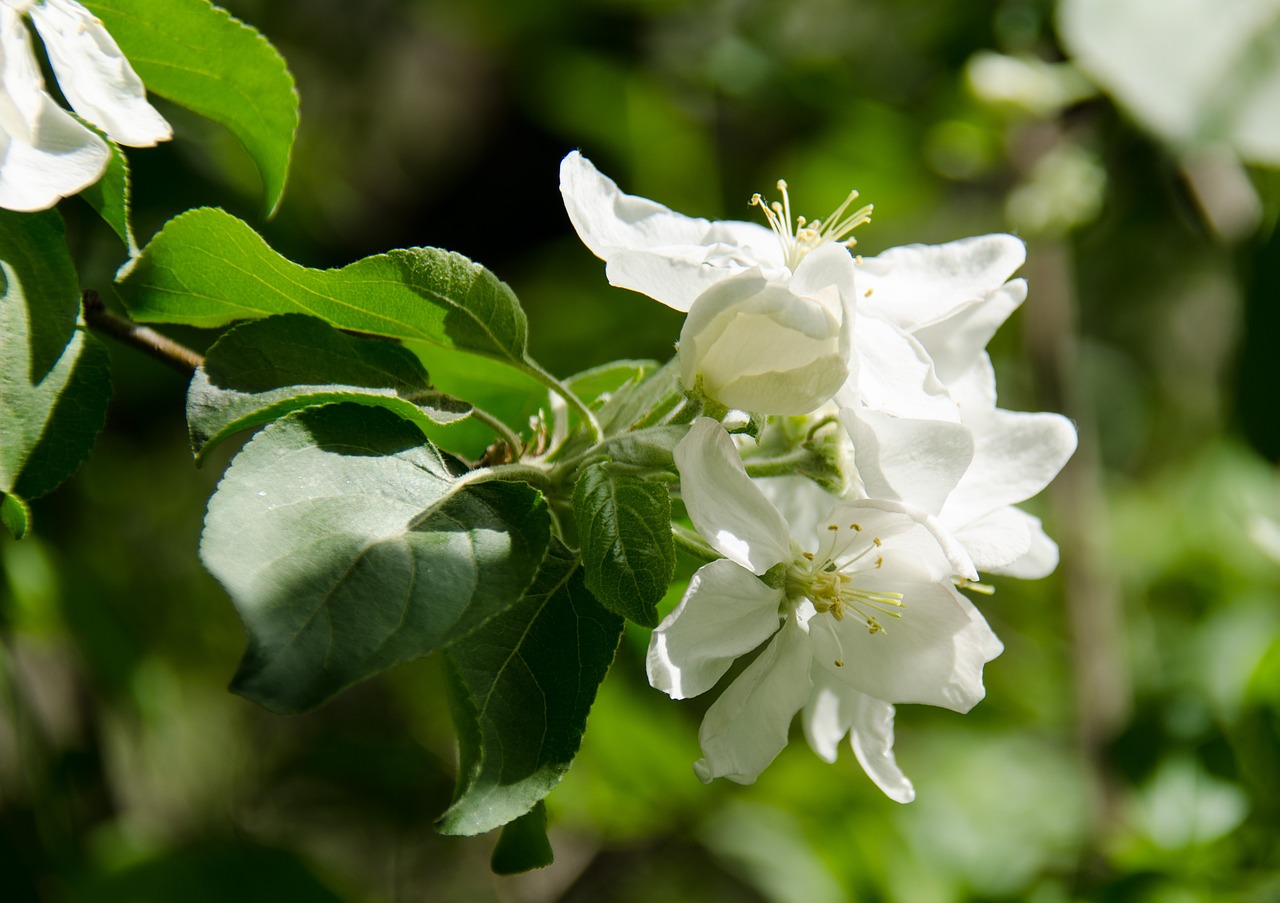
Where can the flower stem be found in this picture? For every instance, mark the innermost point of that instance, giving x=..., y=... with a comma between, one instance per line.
x=691, y=542
x=555, y=385
x=504, y=432
x=146, y=340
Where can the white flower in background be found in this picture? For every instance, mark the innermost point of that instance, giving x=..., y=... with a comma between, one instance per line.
x=45, y=154
x=866, y=616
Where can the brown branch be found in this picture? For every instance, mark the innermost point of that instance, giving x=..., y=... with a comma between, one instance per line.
x=143, y=338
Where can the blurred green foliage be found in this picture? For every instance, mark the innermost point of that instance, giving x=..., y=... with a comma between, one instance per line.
x=1129, y=747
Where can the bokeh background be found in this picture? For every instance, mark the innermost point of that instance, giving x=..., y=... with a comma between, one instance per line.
x=1129, y=745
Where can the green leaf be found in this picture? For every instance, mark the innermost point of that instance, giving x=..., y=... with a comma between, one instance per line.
x=591, y=385
x=521, y=688
x=207, y=268
x=651, y=447
x=110, y=196
x=198, y=56
x=54, y=378
x=651, y=400
x=346, y=547
x=624, y=528
x=523, y=845
x=14, y=514
x=260, y=371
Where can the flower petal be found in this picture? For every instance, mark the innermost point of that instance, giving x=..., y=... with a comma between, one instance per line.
x=918, y=461
x=997, y=539
x=746, y=728
x=933, y=654
x=916, y=285
x=895, y=374
x=723, y=502
x=1040, y=558
x=835, y=710
x=650, y=248
x=45, y=155
x=726, y=612
x=1015, y=456
x=94, y=75
x=955, y=343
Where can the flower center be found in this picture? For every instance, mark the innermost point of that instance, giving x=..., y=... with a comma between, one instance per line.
x=828, y=579
x=807, y=234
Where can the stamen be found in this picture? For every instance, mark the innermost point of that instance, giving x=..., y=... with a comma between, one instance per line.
x=810, y=234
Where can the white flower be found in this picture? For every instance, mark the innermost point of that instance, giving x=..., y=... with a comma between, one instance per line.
x=865, y=617
x=45, y=154
x=970, y=467
x=685, y=263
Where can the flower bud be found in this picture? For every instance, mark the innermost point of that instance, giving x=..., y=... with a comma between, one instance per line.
x=771, y=347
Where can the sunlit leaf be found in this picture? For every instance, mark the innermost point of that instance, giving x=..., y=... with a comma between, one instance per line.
x=202, y=58
x=110, y=197
x=207, y=268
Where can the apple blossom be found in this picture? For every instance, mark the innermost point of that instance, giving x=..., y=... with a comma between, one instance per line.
x=45, y=154
x=868, y=610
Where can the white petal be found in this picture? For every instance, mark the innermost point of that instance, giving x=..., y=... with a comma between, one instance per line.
x=45, y=155
x=929, y=548
x=1040, y=558
x=916, y=285
x=835, y=710
x=954, y=343
x=997, y=539
x=95, y=76
x=1015, y=456
x=933, y=654
x=746, y=728
x=895, y=374
x=650, y=248
x=918, y=461
x=726, y=612
x=723, y=502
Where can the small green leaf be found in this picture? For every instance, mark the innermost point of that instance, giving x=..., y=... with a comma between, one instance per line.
x=202, y=58
x=646, y=402
x=598, y=383
x=14, y=514
x=110, y=196
x=523, y=845
x=262, y=370
x=54, y=378
x=624, y=528
x=347, y=548
x=521, y=688
x=651, y=447
x=207, y=268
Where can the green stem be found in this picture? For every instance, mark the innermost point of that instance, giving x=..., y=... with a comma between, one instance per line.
x=542, y=376
x=504, y=432
x=782, y=466
x=694, y=544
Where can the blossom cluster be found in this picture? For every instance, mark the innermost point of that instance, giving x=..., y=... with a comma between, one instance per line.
x=841, y=600
x=47, y=154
